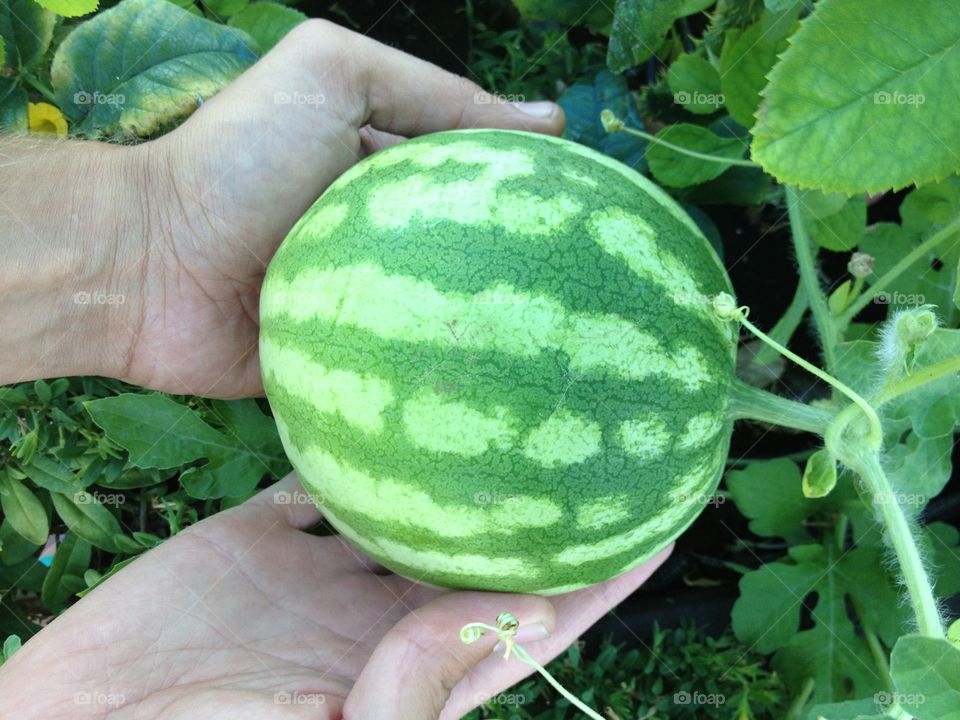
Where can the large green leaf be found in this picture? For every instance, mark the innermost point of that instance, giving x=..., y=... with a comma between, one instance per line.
x=862, y=99
x=119, y=73
x=267, y=22
x=926, y=671
x=23, y=510
x=767, y=615
x=26, y=29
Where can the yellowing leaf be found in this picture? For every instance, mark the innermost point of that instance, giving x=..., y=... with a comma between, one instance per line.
x=117, y=73
x=70, y=8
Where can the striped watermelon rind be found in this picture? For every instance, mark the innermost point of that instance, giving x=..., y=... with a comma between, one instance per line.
x=493, y=362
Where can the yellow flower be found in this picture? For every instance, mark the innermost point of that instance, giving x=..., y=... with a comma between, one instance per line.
x=46, y=119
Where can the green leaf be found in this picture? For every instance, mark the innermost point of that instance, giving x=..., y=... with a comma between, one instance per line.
x=745, y=60
x=90, y=520
x=222, y=9
x=695, y=84
x=638, y=29
x=14, y=118
x=16, y=548
x=678, y=170
x=11, y=645
x=582, y=104
x=816, y=204
x=595, y=15
x=768, y=493
x=70, y=8
x=926, y=209
x=157, y=431
x=840, y=231
x=161, y=433
x=26, y=30
x=918, y=469
x=831, y=653
x=267, y=22
x=919, y=284
x=819, y=474
x=3, y=52
x=52, y=475
x=863, y=709
x=65, y=578
x=927, y=670
x=23, y=510
x=115, y=73
x=872, y=103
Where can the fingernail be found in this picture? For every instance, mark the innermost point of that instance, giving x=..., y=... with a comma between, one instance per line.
x=540, y=109
x=526, y=634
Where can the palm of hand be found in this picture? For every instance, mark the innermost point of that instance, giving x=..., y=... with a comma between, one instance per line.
x=244, y=615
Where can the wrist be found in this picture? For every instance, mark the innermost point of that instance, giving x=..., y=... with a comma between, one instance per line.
x=72, y=253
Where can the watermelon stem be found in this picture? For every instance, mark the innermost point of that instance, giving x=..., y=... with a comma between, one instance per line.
x=506, y=630
x=751, y=403
x=726, y=308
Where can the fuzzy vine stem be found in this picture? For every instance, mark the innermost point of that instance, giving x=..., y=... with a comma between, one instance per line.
x=506, y=629
x=898, y=269
x=901, y=538
x=822, y=316
x=751, y=403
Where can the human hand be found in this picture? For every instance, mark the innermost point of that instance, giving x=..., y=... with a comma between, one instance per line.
x=228, y=185
x=244, y=615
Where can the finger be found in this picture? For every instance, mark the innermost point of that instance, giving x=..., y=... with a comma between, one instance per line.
x=417, y=662
x=290, y=501
x=401, y=94
x=373, y=140
x=575, y=612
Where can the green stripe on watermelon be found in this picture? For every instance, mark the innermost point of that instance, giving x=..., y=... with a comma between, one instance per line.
x=499, y=314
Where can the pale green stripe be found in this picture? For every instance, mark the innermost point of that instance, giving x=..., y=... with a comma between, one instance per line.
x=359, y=399
x=595, y=514
x=647, y=438
x=563, y=439
x=430, y=562
x=522, y=324
x=376, y=499
x=450, y=426
x=701, y=430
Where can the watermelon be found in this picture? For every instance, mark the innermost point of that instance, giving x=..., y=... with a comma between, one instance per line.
x=493, y=362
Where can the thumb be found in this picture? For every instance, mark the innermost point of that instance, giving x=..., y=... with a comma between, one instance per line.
x=422, y=658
